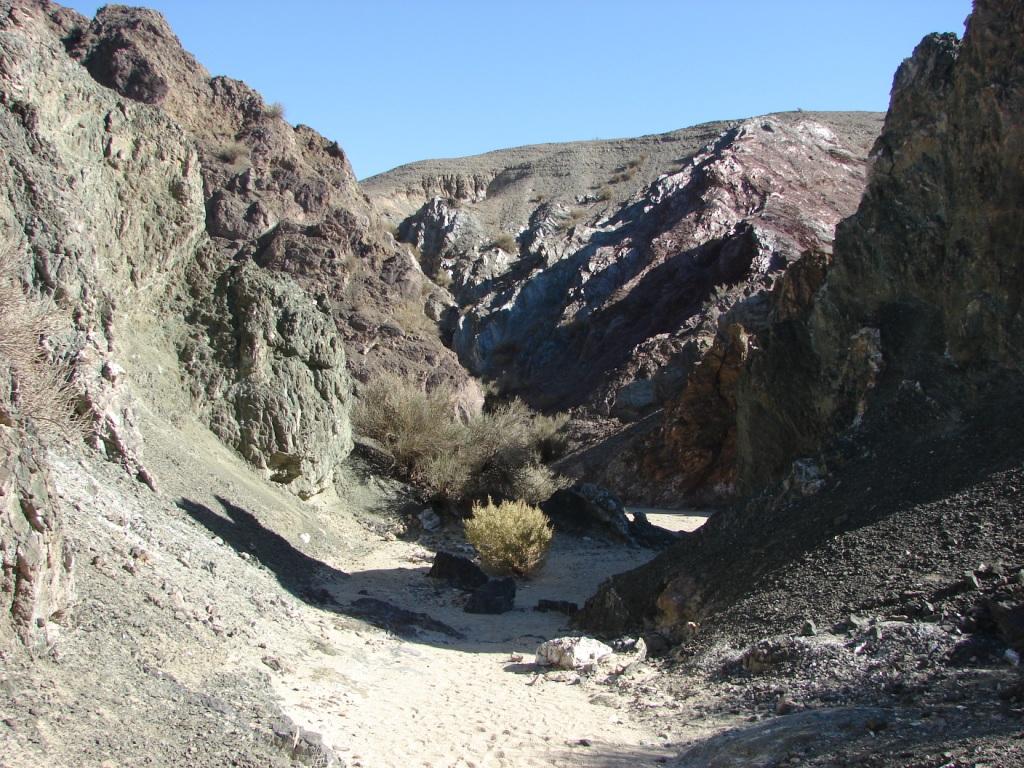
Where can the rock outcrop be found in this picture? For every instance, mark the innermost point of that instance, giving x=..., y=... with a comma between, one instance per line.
x=599, y=274
x=37, y=576
x=174, y=214
x=883, y=378
x=921, y=298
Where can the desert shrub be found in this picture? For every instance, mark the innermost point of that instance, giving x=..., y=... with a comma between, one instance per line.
x=274, y=111
x=414, y=425
x=499, y=453
x=548, y=434
x=233, y=152
x=505, y=242
x=511, y=536
x=412, y=316
x=604, y=194
x=443, y=278
x=504, y=450
x=32, y=384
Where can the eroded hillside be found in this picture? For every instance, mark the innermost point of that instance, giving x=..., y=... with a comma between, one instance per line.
x=877, y=421
x=597, y=274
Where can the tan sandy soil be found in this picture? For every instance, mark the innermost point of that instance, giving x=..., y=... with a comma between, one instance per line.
x=222, y=635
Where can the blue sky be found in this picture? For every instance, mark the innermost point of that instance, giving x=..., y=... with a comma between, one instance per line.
x=395, y=82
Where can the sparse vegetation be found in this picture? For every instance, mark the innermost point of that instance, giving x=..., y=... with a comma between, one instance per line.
x=618, y=178
x=604, y=194
x=234, y=152
x=274, y=111
x=505, y=242
x=411, y=316
x=443, y=278
x=32, y=385
x=574, y=217
x=511, y=536
x=499, y=453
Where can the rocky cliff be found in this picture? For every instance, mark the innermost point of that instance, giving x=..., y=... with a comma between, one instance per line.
x=886, y=376
x=598, y=274
x=205, y=258
x=922, y=299
x=175, y=211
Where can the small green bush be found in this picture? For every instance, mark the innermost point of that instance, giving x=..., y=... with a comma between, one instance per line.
x=511, y=536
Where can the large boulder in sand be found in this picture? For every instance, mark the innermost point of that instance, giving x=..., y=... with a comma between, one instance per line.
x=572, y=652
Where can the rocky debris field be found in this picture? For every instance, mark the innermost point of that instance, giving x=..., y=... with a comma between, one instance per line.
x=897, y=583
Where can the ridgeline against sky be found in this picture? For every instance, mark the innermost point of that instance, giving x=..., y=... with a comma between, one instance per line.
x=395, y=82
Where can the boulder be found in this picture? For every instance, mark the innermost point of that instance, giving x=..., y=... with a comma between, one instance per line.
x=572, y=652
x=429, y=519
x=588, y=509
x=460, y=572
x=558, y=606
x=647, y=534
x=1008, y=615
x=496, y=596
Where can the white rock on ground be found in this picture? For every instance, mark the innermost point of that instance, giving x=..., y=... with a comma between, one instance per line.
x=571, y=652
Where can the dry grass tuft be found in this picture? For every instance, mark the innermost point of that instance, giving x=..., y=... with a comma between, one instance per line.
x=412, y=317
x=32, y=385
x=234, y=152
x=511, y=536
x=505, y=242
x=274, y=111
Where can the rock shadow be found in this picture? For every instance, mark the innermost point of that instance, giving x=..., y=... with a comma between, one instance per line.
x=311, y=580
x=389, y=599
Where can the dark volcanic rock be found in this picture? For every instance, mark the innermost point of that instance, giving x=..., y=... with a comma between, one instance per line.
x=496, y=596
x=558, y=606
x=587, y=509
x=918, y=289
x=1008, y=614
x=459, y=572
x=912, y=338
